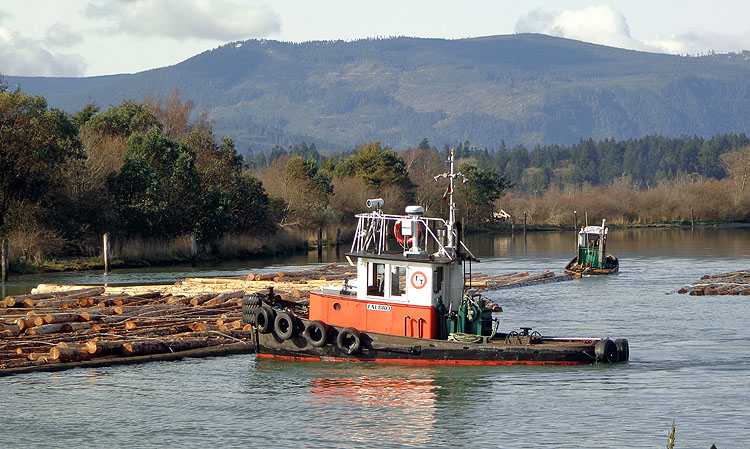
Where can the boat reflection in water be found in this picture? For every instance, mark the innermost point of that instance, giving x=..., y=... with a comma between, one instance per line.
x=400, y=409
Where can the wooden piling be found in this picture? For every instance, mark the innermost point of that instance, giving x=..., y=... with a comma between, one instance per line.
x=524, y=223
x=193, y=248
x=106, y=252
x=4, y=259
x=575, y=220
x=320, y=244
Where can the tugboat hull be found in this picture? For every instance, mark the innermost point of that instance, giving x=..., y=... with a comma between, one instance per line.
x=611, y=266
x=502, y=349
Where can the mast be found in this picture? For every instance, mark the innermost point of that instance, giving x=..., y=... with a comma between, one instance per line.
x=450, y=225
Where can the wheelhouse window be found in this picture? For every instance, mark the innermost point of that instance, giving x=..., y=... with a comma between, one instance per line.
x=398, y=281
x=437, y=280
x=376, y=279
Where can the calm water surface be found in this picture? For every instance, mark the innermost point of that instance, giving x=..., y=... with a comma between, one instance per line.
x=690, y=362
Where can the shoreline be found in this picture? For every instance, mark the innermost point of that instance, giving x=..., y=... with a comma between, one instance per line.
x=61, y=264
x=507, y=227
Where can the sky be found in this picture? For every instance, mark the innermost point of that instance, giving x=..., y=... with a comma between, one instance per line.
x=75, y=38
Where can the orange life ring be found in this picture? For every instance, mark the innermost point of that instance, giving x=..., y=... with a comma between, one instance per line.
x=400, y=237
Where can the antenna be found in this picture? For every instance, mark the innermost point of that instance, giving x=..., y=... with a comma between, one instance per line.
x=449, y=192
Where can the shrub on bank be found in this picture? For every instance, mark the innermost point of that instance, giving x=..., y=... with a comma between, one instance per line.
x=669, y=202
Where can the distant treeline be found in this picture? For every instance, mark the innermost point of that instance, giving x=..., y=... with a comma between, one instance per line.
x=645, y=162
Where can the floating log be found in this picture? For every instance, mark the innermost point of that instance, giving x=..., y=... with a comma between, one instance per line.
x=103, y=347
x=12, y=301
x=11, y=329
x=159, y=346
x=61, y=317
x=45, y=329
x=198, y=300
x=76, y=326
x=732, y=283
x=224, y=297
x=69, y=354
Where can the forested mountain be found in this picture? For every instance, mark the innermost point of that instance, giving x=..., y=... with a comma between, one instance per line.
x=521, y=89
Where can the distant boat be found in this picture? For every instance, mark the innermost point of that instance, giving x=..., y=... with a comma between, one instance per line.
x=592, y=258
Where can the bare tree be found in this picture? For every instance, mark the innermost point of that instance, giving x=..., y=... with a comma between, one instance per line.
x=737, y=165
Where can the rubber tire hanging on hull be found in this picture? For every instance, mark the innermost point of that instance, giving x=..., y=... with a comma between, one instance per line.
x=623, y=349
x=349, y=341
x=316, y=333
x=285, y=325
x=264, y=319
x=606, y=351
x=250, y=306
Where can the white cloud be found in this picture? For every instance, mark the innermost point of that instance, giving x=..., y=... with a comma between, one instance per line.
x=603, y=24
x=221, y=20
x=701, y=42
x=62, y=35
x=599, y=24
x=28, y=57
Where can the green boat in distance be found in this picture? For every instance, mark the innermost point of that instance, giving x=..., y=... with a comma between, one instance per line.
x=592, y=258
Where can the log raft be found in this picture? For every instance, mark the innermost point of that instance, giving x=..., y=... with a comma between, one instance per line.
x=64, y=328
x=732, y=283
x=57, y=327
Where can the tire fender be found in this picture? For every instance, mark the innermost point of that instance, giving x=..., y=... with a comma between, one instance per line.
x=316, y=333
x=349, y=341
x=623, y=349
x=264, y=319
x=285, y=325
x=606, y=351
x=250, y=306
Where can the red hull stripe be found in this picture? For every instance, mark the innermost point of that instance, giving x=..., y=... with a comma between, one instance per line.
x=415, y=361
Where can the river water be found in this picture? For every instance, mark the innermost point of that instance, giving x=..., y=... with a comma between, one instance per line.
x=690, y=362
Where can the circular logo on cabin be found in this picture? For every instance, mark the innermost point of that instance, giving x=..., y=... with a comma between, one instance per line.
x=418, y=280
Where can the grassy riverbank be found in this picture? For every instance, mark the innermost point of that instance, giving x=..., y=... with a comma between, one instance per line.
x=141, y=252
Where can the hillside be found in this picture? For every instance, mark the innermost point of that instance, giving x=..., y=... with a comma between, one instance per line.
x=523, y=89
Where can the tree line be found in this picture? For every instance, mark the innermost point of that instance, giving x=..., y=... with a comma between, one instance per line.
x=155, y=169
x=145, y=169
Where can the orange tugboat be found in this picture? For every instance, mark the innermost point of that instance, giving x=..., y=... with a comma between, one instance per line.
x=409, y=305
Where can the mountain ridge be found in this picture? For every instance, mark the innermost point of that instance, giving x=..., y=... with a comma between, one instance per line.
x=520, y=89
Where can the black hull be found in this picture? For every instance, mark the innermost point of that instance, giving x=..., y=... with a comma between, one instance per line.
x=612, y=267
x=409, y=350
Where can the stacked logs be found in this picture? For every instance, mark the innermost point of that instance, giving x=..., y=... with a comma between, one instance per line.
x=332, y=272
x=86, y=324
x=511, y=280
x=299, y=283
x=733, y=283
